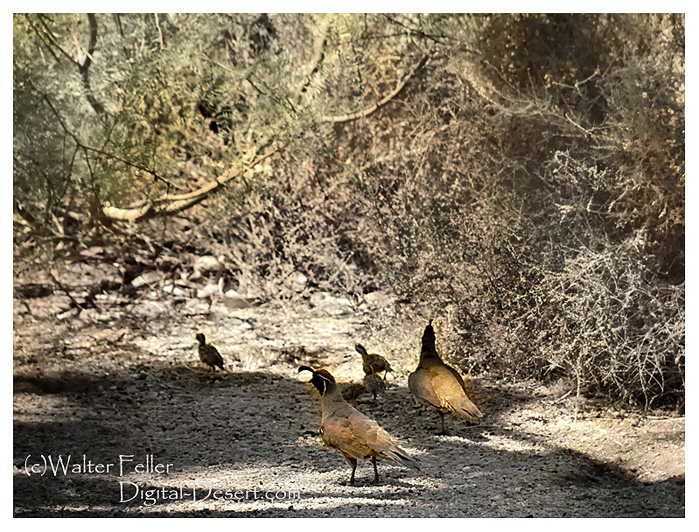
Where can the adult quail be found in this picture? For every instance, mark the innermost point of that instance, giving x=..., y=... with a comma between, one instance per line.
x=438, y=385
x=373, y=363
x=374, y=384
x=349, y=431
x=208, y=354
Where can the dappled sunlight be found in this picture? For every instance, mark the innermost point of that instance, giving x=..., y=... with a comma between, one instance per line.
x=470, y=228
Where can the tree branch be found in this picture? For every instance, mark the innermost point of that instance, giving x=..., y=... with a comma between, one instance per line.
x=366, y=112
x=52, y=40
x=85, y=66
x=169, y=204
x=98, y=151
x=160, y=32
x=319, y=56
x=166, y=204
x=414, y=31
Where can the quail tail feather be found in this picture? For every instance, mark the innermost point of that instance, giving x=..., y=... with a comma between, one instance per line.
x=399, y=455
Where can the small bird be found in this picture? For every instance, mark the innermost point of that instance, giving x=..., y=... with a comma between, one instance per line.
x=374, y=384
x=208, y=354
x=436, y=384
x=372, y=363
x=349, y=431
x=354, y=391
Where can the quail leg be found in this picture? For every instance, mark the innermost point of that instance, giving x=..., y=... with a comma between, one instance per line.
x=444, y=430
x=353, y=464
x=376, y=471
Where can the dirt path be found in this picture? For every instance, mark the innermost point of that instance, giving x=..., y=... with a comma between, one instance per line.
x=245, y=442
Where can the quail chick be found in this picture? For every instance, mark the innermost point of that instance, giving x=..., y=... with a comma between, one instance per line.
x=438, y=385
x=354, y=391
x=373, y=363
x=349, y=431
x=374, y=384
x=208, y=354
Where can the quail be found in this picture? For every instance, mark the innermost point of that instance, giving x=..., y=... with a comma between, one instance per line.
x=372, y=363
x=438, y=385
x=349, y=431
x=354, y=391
x=208, y=354
x=374, y=384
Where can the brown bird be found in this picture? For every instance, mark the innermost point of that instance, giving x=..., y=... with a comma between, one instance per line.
x=374, y=384
x=349, y=431
x=353, y=391
x=438, y=385
x=208, y=354
x=373, y=363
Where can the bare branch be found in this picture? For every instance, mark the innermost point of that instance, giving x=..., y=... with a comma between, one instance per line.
x=319, y=56
x=160, y=33
x=84, y=67
x=52, y=40
x=366, y=112
x=169, y=204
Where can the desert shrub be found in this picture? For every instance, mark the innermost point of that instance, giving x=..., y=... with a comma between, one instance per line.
x=525, y=188
x=535, y=205
x=300, y=222
x=125, y=111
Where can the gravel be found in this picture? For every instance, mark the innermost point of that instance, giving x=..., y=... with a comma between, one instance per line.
x=123, y=389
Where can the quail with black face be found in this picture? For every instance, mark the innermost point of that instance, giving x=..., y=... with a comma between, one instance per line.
x=349, y=431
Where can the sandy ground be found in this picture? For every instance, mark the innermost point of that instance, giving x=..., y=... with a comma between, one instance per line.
x=119, y=397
